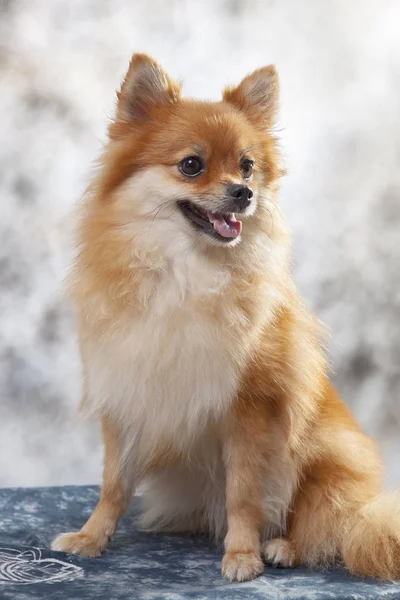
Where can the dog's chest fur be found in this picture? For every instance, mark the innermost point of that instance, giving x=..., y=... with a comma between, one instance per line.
x=172, y=367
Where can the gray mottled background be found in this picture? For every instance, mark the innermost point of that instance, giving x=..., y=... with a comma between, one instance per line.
x=60, y=62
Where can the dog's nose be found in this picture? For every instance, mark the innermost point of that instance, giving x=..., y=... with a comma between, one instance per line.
x=241, y=195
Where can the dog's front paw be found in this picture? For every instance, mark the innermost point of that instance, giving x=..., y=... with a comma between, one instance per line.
x=280, y=553
x=77, y=543
x=237, y=566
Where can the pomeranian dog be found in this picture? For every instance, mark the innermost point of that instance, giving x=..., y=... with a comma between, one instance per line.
x=199, y=356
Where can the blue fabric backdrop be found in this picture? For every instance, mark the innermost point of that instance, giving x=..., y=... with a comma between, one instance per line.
x=137, y=565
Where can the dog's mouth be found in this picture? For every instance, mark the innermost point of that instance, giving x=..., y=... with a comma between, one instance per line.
x=222, y=226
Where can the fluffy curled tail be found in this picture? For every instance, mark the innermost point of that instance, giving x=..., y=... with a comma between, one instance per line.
x=371, y=544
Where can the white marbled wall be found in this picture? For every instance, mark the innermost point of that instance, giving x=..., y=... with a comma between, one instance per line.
x=60, y=62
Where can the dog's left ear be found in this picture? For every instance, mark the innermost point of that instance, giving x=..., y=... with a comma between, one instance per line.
x=257, y=96
x=146, y=85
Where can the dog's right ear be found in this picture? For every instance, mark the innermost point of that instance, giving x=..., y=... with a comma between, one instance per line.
x=145, y=86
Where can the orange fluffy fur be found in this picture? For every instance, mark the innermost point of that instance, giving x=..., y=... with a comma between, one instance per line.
x=199, y=356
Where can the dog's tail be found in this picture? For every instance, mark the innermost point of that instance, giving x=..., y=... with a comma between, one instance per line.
x=371, y=542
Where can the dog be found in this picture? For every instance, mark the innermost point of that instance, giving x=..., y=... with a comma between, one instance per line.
x=206, y=368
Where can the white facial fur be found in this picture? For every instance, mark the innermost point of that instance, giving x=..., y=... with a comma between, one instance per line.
x=150, y=198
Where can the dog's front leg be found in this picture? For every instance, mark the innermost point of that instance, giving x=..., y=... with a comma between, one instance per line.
x=244, y=457
x=116, y=492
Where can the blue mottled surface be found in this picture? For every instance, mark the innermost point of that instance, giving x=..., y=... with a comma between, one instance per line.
x=137, y=565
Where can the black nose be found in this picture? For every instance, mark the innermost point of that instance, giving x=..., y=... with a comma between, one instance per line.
x=241, y=195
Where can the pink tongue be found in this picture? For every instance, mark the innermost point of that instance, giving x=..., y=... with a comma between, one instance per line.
x=226, y=225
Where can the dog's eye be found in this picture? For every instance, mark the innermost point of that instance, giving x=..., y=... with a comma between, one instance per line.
x=246, y=168
x=191, y=166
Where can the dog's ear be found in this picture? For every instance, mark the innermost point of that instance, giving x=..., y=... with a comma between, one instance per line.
x=257, y=96
x=145, y=86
